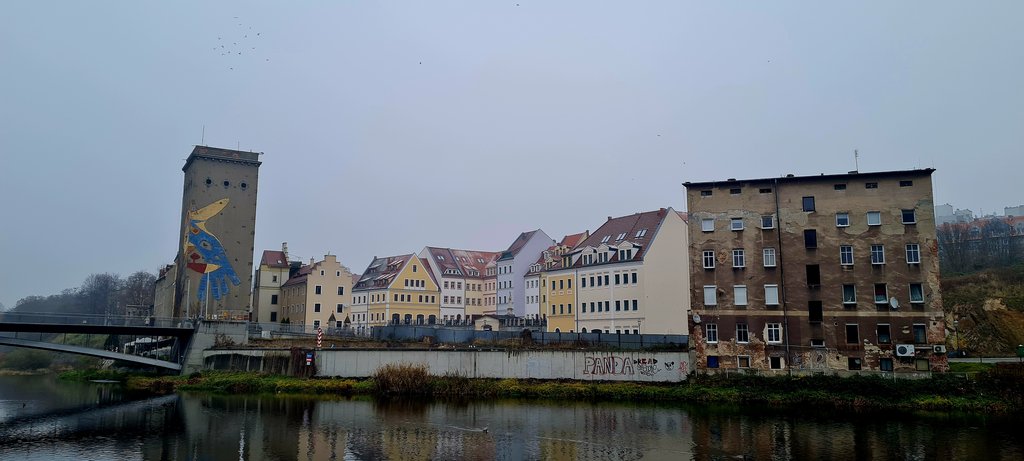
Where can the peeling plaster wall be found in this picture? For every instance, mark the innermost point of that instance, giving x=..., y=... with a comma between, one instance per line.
x=810, y=344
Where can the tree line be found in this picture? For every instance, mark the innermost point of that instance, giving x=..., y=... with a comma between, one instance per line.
x=99, y=294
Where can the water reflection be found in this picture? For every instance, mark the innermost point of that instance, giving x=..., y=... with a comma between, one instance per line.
x=70, y=420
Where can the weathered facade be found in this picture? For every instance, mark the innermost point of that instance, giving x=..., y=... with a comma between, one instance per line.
x=830, y=272
x=218, y=218
x=272, y=273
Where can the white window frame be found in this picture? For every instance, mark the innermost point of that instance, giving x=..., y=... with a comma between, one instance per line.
x=770, y=220
x=913, y=214
x=850, y=301
x=774, y=330
x=768, y=254
x=707, y=225
x=739, y=293
x=740, y=359
x=913, y=253
x=845, y=215
x=921, y=290
x=708, y=256
x=772, y=300
x=739, y=256
x=874, y=293
x=881, y=252
x=878, y=218
x=711, y=333
x=710, y=295
x=746, y=332
x=845, y=255
x=736, y=224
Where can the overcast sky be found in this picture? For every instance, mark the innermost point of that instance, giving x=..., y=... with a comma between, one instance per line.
x=388, y=126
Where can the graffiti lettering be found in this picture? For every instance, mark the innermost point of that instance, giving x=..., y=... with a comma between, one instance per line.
x=623, y=366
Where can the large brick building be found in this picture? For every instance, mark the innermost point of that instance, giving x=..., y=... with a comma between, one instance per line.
x=830, y=272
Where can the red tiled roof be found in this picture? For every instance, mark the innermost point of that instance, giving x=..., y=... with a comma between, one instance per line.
x=570, y=241
x=274, y=258
x=518, y=244
x=470, y=259
x=637, y=228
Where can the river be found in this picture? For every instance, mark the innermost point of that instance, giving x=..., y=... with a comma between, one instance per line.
x=42, y=418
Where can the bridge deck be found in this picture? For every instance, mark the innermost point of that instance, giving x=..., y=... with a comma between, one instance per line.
x=89, y=351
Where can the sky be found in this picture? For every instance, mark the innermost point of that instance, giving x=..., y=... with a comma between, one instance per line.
x=389, y=126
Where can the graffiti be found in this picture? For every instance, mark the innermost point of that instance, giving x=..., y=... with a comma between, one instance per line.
x=204, y=253
x=683, y=367
x=623, y=366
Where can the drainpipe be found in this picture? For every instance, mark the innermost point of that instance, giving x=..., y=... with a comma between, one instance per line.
x=782, y=278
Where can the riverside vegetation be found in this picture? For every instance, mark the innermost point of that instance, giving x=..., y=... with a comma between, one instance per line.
x=999, y=389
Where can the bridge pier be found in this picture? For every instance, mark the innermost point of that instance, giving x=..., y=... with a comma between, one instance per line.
x=212, y=333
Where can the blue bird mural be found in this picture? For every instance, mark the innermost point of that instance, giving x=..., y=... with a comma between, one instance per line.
x=205, y=254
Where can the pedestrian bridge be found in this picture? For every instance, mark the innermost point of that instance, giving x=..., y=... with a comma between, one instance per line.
x=48, y=331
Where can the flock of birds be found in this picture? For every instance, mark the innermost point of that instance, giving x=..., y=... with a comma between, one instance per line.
x=241, y=43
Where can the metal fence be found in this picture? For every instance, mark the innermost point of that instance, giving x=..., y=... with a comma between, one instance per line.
x=444, y=335
x=93, y=319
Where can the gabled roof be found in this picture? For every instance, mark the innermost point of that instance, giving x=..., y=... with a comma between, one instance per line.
x=638, y=229
x=300, y=276
x=444, y=260
x=274, y=258
x=552, y=254
x=517, y=245
x=474, y=260
x=570, y=241
x=381, y=272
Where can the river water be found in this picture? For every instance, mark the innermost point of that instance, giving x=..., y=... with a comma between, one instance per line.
x=42, y=418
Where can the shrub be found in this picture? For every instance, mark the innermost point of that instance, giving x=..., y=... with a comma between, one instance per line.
x=403, y=379
x=27, y=359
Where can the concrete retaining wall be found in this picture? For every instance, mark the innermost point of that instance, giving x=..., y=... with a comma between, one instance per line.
x=577, y=365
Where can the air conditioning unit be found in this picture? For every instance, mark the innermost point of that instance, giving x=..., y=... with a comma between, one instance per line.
x=904, y=350
x=939, y=348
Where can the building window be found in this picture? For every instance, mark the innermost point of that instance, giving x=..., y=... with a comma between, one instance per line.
x=881, y=293
x=735, y=191
x=874, y=218
x=906, y=183
x=273, y=299
x=871, y=185
x=854, y=363
x=885, y=364
x=736, y=224
x=884, y=336
x=321, y=273
x=920, y=335
x=913, y=253
x=765, y=190
x=583, y=282
x=340, y=307
x=810, y=238
x=740, y=294
x=738, y=258
x=316, y=307
x=341, y=291
x=707, y=225
x=774, y=333
x=633, y=277
x=852, y=334
x=769, y=257
x=743, y=361
x=808, y=203
x=274, y=278
x=846, y=255
x=618, y=305
x=849, y=294
x=316, y=324
x=839, y=186
x=814, y=312
x=617, y=279
x=710, y=295
x=636, y=304
x=877, y=254
x=842, y=219
x=916, y=293
x=768, y=222
x=909, y=217
x=273, y=316
x=705, y=193
x=711, y=333
x=712, y=361
x=742, y=333
x=813, y=275
x=771, y=295
x=319, y=289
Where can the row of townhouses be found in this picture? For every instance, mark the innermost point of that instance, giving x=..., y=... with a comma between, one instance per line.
x=816, y=272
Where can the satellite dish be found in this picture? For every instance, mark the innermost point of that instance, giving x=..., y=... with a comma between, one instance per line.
x=696, y=318
x=894, y=303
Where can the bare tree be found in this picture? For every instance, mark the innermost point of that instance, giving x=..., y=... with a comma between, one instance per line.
x=138, y=290
x=99, y=293
x=954, y=247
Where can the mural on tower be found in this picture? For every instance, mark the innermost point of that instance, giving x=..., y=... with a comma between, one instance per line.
x=205, y=255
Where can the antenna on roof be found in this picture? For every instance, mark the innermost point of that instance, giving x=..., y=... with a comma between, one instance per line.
x=202, y=141
x=856, y=161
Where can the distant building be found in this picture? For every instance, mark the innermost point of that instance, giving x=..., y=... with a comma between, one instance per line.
x=395, y=290
x=629, y=276
x=549, y=277
x=163, y=293
x=318, y=295
x=272, y=273
x=461, y=275
x=218, y=217
x=1013, y=211
x=830, y=272
x=512, y=266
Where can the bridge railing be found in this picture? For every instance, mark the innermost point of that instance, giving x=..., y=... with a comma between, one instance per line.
x=56, y=318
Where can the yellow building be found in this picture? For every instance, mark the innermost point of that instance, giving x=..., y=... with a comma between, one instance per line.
x=395, y=290
x=558, y=285
x=318, y=294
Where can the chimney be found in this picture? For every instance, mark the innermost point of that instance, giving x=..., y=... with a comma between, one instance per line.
x=284, y=249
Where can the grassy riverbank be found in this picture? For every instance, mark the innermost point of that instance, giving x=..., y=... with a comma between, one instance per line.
x=991, y=392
